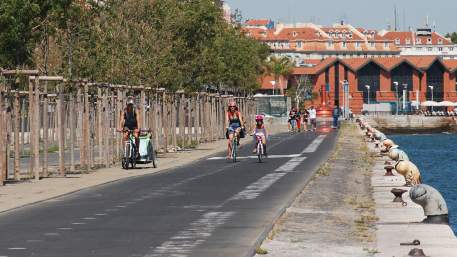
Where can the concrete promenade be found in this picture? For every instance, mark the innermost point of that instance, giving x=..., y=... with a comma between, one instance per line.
x=402, y=224
x=348, y=210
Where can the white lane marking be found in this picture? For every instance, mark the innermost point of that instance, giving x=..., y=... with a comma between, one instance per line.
x=255, y=189
x=277, y=156
x=64, y=228
x=108, y=210
x=17, y=248
x=182, y=244
x=33, y=241
x=291, y=165
x=101, y=214
x=78, y=223
x=51, y=234
x=314, y=145
x=120, y=206
x=88, y=218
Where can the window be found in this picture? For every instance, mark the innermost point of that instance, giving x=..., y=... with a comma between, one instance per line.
x=397, y=41
x=294, y=34
x=429, y=40
x=330, y=43
x=386, y=44
x=343, y=44
x=357, y=44
x=440, y=41
x=408, y=41
x=365, y=56
x=419, y=48
x=372, y=44
x=418, y=41
x=440, y=49
x=299, y=45
x=429, y=49
x=451, y=48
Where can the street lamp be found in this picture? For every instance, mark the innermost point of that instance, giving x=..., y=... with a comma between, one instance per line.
x=431, y=88
x=405, y=92
x=273, y=83
x=368, y=93
x=396, y=97
x=345, y=98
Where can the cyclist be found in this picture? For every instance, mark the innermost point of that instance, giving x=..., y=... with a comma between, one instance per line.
x=261, y=131
x=129, y=121
x=292, y=119
x=234, y=123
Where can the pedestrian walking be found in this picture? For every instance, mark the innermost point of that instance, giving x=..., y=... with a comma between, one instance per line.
x=312, y=117
x=336, y=115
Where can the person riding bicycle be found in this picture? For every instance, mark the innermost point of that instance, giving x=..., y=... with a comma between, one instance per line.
x=234, y=123
x=293, y=118
x=260, y=131
x=129, y=122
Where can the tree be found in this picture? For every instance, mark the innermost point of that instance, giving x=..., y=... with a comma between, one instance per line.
x=278, y=67
x=452, y=36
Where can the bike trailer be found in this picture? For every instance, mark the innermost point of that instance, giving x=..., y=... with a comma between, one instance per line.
x=145, y=149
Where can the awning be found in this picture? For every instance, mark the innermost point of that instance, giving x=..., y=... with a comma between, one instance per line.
x=429, y=103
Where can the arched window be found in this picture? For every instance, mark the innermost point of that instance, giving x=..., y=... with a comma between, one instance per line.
x=369, y=75
x=435, y=76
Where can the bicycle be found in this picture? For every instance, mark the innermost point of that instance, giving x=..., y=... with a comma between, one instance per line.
x=259, y=148
x=234, y=147
x=129, y=158
x=293, y=125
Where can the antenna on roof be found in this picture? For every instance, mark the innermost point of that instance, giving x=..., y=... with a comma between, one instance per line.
x=395, y=17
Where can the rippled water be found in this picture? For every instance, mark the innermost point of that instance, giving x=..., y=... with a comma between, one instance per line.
x=436, y=157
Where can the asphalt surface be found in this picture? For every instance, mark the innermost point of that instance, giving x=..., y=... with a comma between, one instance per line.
x=212, y=207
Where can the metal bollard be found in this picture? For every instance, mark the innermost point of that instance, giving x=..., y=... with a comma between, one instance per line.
x=432, y=202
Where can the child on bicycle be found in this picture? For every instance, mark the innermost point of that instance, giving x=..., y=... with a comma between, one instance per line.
x=260, y=131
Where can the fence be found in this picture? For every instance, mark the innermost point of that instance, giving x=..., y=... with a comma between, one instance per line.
x=78, y=119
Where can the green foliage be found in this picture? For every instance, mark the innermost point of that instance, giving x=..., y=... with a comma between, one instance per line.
x=278, y=66
x=452, y=36
x=158, y=43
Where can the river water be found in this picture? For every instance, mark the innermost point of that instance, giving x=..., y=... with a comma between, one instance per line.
x=436, y=157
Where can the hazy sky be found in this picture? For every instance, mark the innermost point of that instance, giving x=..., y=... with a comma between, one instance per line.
x=373, y=14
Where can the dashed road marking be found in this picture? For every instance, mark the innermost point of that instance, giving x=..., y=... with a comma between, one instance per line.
x=255, y=189
x=78, y=223
x=314, y=145
x=64, y=228
x=291, y=165
x=88, y=218
x=17, y=248
x=51, y=234
x=101, y=214
x=182, y=244
x=273, y=156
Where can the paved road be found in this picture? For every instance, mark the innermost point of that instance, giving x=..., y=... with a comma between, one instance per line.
x=210, y=208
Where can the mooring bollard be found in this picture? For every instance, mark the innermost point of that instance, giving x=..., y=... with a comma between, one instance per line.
x=416, y=252
x=398, y=193
x=389, y=169
x=432, y=202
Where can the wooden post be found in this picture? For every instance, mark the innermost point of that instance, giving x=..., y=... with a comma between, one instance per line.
x=157, y=119
x=36, y=129
x=17, y=125
x=23, y=123
x=3, y=160
x=85, y=128
x=45, y=129
x=189, y=120
x=197, y=118
x=118, y=114
x=72, y=129
x=99, y=120
x=182, y=120
x=165, y=115
x=31, y=133
x=142, y=105
x=61, y=129
x=106, y=129
x=173, y=122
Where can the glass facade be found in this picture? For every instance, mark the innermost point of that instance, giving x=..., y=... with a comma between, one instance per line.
x=369, y=75
x=435, y=76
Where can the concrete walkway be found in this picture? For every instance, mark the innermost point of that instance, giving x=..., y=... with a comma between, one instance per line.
x=30, y=191
x=401, y=224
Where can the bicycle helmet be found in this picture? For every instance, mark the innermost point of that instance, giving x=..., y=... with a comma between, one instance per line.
x=259, y=117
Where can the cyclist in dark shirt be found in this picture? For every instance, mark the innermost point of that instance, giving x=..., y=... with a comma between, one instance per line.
x=129, y=122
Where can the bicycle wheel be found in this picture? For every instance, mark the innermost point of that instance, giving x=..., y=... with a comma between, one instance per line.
x=126, y=158
x=125, y=163
x=259, y=151
x=234, y=148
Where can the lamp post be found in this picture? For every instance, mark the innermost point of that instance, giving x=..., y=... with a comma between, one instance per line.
x=405, y=92
x=273, y=83
x=431, y=88
x=345, y=98
x=368, y=93
x=396, y=97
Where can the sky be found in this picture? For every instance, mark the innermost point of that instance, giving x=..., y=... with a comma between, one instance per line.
x=372, y=14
